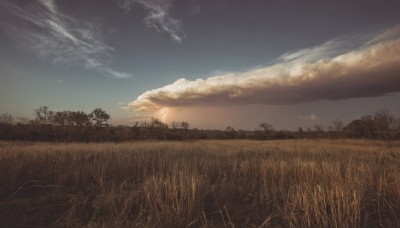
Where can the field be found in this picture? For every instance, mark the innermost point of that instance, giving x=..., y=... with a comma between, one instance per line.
x=303, y=183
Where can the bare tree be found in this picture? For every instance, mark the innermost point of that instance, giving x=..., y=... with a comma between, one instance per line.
x=43, y=115
x=6, y=123
x=185, y=125
x=386, y=124
x=230, y=132
x=266, y=126
x=156, y=123
x=319, y=127
x=338, y=125
x=175, y=125
x=57, y=120
x=368, y=126
x=267, y=129
x=6, y=118
x=21, y=120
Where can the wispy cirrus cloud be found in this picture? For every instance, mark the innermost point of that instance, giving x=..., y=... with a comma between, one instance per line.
x=158, y=16
x=59, y=38
x=347, y=67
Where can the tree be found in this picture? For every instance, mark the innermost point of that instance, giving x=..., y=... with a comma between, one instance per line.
x=60, y=118
x=156, y=123
x=185, y=125
x=68, y=119
x=175, y=125
x=266, y=126
x=99, y=119
x=368, y=126
x=386, y=124
x=6, y=118
x=300, y=131
x=267, y=129
x=356, y=129
x=319, y=128
x=338, y=125
x=230, y=132
x=20, y=120
x=43, y=115
x=6, y=124
x=80, y=118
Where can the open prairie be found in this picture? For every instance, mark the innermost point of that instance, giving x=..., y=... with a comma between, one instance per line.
x=303, y=183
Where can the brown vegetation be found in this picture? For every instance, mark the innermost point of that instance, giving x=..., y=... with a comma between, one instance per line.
x=78, y=126
x=305, y=183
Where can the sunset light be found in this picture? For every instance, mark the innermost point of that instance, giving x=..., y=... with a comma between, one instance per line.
x=200, y=113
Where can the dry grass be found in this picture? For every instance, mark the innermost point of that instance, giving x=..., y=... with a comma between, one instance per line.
x=305, y=183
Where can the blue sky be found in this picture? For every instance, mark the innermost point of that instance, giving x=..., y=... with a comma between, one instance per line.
x=119, y=55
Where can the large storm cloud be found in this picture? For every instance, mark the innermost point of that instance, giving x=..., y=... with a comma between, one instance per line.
x=345, y=67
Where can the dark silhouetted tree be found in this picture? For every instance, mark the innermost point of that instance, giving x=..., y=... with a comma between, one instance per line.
x=81, y=119
x=175, y=125
x=60, y=118
x=267, y=129
x=386, y=124
x=368, y=127
x=6, y=124
x=43, y=115
x=185, y=125
x=6, y=118
x=338, y=125
x=99, y=119
x=355, y=129
x=230, y=132
x=156, y=123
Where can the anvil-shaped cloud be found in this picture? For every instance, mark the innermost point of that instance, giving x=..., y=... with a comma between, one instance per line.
x=332, y=71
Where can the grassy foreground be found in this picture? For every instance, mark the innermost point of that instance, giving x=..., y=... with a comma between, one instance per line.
x=337, y=183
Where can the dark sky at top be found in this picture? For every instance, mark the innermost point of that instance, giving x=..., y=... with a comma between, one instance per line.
x=83, y=54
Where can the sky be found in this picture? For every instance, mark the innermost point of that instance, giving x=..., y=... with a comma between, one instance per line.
x=212, y=63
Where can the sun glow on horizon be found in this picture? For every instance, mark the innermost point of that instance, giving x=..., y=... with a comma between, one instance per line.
x=163, y=113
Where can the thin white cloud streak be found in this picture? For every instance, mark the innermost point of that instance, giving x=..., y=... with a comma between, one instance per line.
x=50, y=5
x=331, y=71
x=60, y=38
x=158, y=17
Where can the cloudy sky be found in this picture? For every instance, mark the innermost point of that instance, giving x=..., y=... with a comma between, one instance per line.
x=212, y=63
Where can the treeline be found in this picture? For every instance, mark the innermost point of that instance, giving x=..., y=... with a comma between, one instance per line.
x=48, y=125
x=68, y=126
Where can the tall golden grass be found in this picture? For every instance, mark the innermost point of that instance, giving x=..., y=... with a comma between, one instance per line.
x=307, y=183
